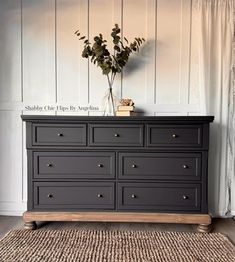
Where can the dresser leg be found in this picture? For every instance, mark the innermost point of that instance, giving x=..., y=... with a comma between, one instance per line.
x=30, y=225
x=204, y=228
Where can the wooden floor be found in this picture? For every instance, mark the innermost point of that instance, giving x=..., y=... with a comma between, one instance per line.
x=224, y=226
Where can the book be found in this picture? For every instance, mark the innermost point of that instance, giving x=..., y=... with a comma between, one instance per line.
x=125, y=113
x=126, y=108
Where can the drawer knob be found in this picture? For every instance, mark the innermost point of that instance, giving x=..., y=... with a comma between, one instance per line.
x=133, y=196
x=116, y=135
x=99, y=195
x=49, y=165
x=185, y=166
x=50, y=196
x=174, y=136
x=100, y=165
x=60, y=134
x=185, y=197
x=134, y=166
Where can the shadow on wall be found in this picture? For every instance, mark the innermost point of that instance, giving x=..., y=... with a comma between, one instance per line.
x=138, y=61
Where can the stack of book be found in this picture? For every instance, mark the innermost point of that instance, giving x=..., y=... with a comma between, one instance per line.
x=125, y=111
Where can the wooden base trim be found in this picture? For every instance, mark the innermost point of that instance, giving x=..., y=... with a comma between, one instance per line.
x=202, y=219
x=202, y=228
x=30, y=225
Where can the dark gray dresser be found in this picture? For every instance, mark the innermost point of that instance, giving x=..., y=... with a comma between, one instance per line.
x=139, y=169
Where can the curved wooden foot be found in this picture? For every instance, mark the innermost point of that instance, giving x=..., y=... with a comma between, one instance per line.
x=203, y=228
x=30, y=225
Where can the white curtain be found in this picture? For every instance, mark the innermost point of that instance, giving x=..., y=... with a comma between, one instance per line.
x=216, y=32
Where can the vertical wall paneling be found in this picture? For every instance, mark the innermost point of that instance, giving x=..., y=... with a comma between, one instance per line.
x=135, y=73
x=117, y=18
x=24, y=163
x=101, y=20
x=11, y=159
x=194, y=59
x=186, y=16
x=39, y=50
x=150, y=47
x=169, y=23
x=10, y=46
x=72, y=71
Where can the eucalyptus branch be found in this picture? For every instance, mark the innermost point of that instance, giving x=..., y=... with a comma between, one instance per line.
x=101, y=56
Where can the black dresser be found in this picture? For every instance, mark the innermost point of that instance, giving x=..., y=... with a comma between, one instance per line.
x=135, y=169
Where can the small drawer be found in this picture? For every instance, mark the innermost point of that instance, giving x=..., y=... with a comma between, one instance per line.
x=59, y=134
x=74, y=165
x=159, y=196
x=174, y=166
x=174, y=135
x=73, y=195
x=116, y=135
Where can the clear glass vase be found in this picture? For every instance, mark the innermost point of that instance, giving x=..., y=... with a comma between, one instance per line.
x=109, y=103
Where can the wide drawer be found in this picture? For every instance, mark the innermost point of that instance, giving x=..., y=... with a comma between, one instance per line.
x=159, y=196
x=116, y=135
x=59, y=134
x=174, y=135
x=174, y=166
x=74, y=165
x=73, y=195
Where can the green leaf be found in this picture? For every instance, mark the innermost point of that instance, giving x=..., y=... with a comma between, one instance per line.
x=113, y=34
x=117, y=31
x=116, y=40
x=106, y=52
x=117, y=48
x=84, y=53
x=106, y=70
x=126, y=40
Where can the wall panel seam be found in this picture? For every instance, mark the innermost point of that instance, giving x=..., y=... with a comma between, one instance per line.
x=56, y=53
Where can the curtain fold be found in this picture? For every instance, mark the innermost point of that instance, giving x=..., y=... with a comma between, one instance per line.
x=216, y=30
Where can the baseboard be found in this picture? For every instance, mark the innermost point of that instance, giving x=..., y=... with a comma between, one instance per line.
x=12, y=208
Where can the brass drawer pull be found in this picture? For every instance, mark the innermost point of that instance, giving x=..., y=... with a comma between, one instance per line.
x=133, y=196
x=99, y=195
x=185, y=166
x=116, y=135
x=49, y=165
x=100, y=165
x=134, y=166
x=60, y=134
x=174, y=136
x=185, y=197
x=50, y=196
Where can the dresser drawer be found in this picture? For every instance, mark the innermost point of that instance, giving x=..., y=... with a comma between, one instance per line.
x=174, y=135
x=59, y=134
x=116, y=135
x=73, y=195
x=174, y=166
x=74, y=165
x=159, y=196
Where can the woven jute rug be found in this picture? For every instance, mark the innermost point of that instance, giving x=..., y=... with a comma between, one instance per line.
x=94, y=245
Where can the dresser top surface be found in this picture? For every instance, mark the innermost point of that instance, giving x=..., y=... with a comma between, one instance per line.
x=69, y=118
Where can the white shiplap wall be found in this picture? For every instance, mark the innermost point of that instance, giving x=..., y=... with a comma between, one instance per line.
x=41, y=65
